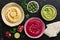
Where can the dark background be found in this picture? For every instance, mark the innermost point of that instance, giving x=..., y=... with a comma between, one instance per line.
x=4, y=28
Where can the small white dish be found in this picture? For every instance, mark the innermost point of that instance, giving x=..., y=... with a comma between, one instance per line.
x=36, y=4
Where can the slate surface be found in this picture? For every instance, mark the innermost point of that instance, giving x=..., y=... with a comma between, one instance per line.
x=4, y=28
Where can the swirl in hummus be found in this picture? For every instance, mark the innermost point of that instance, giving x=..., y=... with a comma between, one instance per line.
x=13, y=14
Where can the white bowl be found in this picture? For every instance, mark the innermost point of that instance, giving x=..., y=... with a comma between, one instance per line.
x=37, y=7
x=3, y=16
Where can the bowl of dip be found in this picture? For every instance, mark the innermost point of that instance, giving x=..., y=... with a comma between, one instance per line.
x=34, y=27
x=49, y=12
x=33, y=7
x=12, y=14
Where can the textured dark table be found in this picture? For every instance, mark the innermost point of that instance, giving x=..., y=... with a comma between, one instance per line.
x=4, y=28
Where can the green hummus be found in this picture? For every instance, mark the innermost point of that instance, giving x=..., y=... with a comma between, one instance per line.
x=48, y=12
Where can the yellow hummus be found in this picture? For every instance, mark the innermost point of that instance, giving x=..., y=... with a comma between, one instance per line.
x=12, y=14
